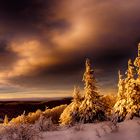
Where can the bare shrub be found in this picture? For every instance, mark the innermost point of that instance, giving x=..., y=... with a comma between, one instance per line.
x=20, y=132
x=113, y=126
x=98, y=133
x=104, y=129
x=45, y=124
x=78, y=127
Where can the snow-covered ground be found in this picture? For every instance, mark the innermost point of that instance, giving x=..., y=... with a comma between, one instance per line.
x=127, y=130
x=44, y=130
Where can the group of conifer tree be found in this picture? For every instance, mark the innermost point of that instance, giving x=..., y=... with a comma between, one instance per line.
x=128, y=100
x=93, y=107
x=88, y=108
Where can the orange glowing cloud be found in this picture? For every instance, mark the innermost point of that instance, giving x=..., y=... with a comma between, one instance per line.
x=32, y=54
x=81, y=29
x=72, y=39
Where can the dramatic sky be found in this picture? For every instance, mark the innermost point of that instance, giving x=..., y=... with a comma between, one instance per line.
x=44, y=43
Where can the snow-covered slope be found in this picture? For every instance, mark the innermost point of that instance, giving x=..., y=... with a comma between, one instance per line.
x=127, y=130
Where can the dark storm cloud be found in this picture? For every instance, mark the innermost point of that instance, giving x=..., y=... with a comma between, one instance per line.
x=46, y=42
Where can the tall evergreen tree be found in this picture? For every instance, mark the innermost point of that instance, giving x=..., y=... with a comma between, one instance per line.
x=91, y=108
x=133, y=95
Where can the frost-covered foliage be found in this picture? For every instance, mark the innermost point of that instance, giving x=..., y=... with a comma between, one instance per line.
x=70, y=114
x=45, y=124
x=128, y=102
x=19, y=132
x=26, y=131
x=98, y=131
x=109, y=101
x=32, y=117
x=54, y=113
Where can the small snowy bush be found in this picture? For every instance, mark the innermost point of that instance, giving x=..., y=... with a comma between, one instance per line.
x=45, y=124
x=19, y=132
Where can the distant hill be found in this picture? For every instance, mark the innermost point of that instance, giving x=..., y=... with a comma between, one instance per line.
x=15, y=108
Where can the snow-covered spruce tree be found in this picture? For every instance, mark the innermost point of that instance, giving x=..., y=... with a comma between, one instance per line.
x=133, y=99
x=71, y=114
x=128, y=104
x=132, y=93
x=125, y=88
x=91, y=108
x=121, y=86
x=119, y=109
